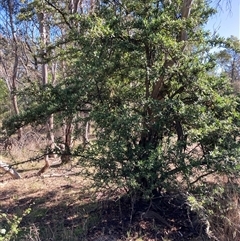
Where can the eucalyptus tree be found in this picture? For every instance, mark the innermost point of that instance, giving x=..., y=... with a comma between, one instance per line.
x=54, y=20
x=228, y=59
x=10, y=74
x=25, y=37
x=18, y=63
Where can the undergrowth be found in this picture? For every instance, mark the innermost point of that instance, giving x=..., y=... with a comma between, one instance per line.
x=210, y=211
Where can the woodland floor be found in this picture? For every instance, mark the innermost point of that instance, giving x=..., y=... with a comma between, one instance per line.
x=63, y=207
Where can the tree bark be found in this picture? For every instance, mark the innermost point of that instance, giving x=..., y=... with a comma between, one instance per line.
x=5, y=167
x=15, y=65
x=68, y=130
x=50, y=121
x=152, y=136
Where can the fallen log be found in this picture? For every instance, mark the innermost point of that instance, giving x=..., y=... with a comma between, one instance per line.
x=10, y=170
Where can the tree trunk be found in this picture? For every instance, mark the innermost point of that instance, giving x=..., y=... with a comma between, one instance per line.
x=74, y=6
x=50, y=121
x=15, y=65
x=152, y=136
x=68, y=130
x=5, y=167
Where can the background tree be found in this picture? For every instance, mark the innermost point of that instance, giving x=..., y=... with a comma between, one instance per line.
x=228, y=61
x=18, y=63
x=9, y=9
x=52, y=54
x=4, y=100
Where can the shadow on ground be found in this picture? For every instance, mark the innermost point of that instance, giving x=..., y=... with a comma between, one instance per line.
x=69, y=214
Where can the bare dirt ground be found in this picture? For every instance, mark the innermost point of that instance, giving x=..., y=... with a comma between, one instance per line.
x=64, y=207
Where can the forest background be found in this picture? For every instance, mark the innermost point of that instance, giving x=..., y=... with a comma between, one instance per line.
x=138, y=101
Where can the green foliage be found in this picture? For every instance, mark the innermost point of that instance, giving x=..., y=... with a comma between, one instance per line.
x=228, y=59
x=159, y=112
x=9, y=227
x=4, y=99
x=137, y=144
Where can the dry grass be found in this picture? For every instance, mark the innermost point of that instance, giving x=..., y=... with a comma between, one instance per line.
x=225, y=217
x=64, y=207
x=57, y=205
